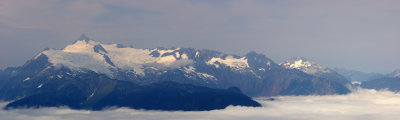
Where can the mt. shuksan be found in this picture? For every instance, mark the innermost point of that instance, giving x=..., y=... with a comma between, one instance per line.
x=253, y=73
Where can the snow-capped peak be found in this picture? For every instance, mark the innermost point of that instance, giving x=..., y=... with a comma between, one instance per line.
x=80, y=46
x=235, y=63
x=88, y=54
x=305, y=66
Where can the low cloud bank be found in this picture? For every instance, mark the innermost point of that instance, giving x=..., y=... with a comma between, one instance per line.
x=359, y=105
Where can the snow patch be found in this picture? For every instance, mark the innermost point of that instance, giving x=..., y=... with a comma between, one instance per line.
x=305, y=66
x=40, y=86
x=167, y=60
x=192, y=71
x=184, y=56
x=26, y=79
x=235, y=63
x=189, y=69
x=177, y=55
x=91, y=95
x=197, y=54
x=162, y=52
x=37, y=56
x=205, y=75
x=299, y=63
x=356, y=82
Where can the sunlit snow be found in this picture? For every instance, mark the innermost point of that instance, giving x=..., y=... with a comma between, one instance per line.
x=81, y=54
x=26, y=79
x=40, y=86
x=305, y=66
x=235, y=63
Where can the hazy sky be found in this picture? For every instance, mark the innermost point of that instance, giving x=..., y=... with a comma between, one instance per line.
x=357, y=34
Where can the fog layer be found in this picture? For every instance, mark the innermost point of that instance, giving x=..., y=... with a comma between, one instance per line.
x=360, y=105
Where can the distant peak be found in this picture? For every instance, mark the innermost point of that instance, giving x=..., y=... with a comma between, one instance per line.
x=305, y=65
x=251, y=53
x=299, y=59
x=84, y=37
x=297, y=62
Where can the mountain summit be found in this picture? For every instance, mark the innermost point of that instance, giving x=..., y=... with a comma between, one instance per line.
x=312, y=68
x=84, y=37
x=306, y=66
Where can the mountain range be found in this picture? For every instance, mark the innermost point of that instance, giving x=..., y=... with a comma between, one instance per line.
x=357, y=76
x=375, y=81
x=97, y=74
x=390, y=81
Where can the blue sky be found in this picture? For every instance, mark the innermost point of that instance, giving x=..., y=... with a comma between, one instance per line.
x=355, y=34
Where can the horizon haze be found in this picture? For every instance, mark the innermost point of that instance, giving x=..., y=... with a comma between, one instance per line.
x=358, y=35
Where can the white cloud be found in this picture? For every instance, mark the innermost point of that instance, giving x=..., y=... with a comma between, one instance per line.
x=361, y=105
